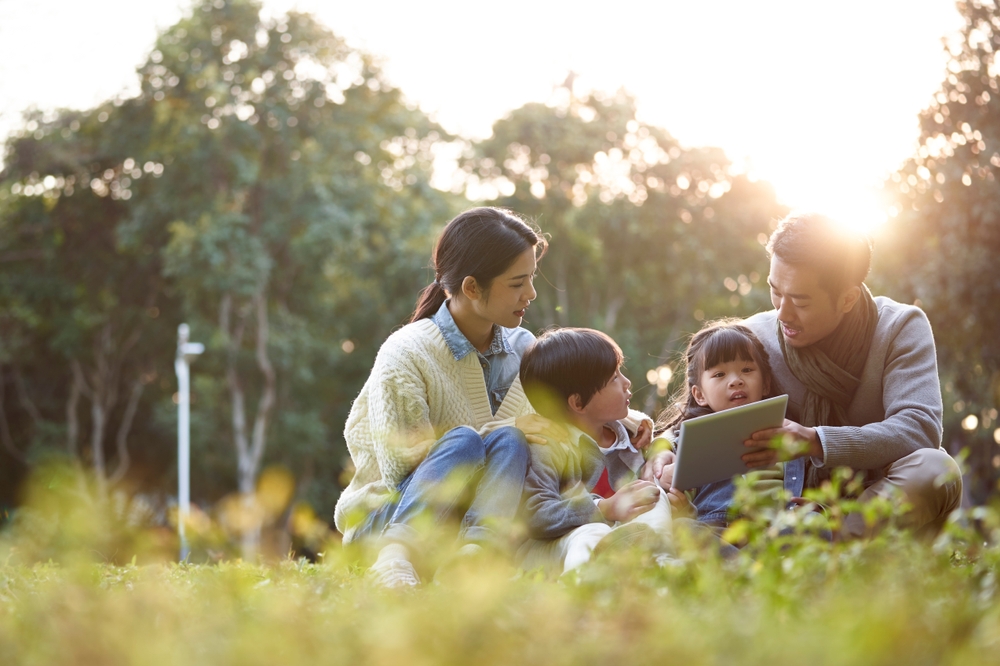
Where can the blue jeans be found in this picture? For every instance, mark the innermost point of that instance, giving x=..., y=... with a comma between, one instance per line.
x=712, y=502
x=495, y=464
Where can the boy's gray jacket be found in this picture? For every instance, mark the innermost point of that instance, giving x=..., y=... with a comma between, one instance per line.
x=557, y=489
x=557, y=496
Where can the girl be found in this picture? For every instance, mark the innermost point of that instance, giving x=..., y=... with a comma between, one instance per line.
x=725, y=366
x=443, y=396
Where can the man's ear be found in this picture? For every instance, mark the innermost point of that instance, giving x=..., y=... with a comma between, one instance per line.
x=575, y=404
x=849, y=298
x=698, y=396
x=470, y=288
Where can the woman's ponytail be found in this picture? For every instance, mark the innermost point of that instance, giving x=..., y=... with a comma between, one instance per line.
x=429, y=302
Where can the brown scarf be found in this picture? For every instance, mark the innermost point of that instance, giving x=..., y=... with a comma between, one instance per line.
x=831, y=369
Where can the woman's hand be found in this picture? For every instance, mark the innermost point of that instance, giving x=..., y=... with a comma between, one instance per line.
x=643, y=436
x=539, y=430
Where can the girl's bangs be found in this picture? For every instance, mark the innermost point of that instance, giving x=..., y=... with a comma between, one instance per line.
x=725, y=345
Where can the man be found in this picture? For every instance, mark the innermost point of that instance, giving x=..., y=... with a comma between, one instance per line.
x=860, y=373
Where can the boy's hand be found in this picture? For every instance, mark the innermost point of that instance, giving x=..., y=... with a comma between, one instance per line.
x=643, y=436
x=633, y=499
x=659, y=468
x=539, y=430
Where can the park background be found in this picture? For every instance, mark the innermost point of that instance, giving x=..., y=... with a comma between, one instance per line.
x=278, y=187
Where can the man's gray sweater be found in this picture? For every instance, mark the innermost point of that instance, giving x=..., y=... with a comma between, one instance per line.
x=897, y=407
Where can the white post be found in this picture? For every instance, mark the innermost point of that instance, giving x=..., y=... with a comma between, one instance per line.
x=186, y=352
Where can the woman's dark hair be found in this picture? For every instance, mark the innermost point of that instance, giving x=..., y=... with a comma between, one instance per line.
x=482, y=243
x=567, y=361
x=719, y=341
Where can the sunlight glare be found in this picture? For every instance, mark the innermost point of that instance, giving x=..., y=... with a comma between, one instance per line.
x=851, y=204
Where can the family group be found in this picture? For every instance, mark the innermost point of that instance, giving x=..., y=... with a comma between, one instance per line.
x=529, y=447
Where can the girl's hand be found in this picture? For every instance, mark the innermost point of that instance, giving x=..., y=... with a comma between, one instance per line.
x=679, y=505
x=631, y=500
x=539, y=430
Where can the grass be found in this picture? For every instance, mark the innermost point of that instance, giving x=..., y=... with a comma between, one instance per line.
x=893, y=599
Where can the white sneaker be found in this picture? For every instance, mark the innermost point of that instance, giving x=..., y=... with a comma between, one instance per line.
x=394, y=574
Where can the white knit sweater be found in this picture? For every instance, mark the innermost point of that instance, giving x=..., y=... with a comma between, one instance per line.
x=416, y=392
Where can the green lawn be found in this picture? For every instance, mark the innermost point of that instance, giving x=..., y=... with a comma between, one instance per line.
x=793, y=599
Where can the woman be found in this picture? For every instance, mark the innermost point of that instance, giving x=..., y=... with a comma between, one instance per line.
x=443, y=397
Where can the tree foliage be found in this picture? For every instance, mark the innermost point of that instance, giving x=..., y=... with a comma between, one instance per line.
x=942, y=245
x=305, y=181
x=649, y=237
x=266, y=185
x=79, y=307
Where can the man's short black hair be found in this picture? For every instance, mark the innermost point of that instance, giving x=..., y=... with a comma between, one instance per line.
x=843, y=257
x=567, y=361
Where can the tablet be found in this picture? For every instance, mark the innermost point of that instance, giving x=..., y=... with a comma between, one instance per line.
x=710, y=446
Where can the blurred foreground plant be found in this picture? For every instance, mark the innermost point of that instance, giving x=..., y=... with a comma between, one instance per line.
x=74, y=589
x=880, y=601
x=64, y=519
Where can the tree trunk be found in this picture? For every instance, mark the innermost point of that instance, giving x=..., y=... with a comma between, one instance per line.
x=22, y=396
x=611, y=313
x=264, y=406
x=77, y=388
x=103, y=397
x=5, y=436
x=249, y=452
x=121, y=440
x=238, y=409
x=267, y=397
x=97, y=415
x=102, y=391
x=72, y=418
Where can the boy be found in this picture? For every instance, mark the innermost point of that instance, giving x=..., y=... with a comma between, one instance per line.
x=573, y=376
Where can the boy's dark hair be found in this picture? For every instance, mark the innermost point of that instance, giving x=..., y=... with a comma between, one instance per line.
x=718, y=341
x=842, y=257
x=567, y=361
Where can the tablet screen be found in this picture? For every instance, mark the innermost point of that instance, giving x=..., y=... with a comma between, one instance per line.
x=710, y=447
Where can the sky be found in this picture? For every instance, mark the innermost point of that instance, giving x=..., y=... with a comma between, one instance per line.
x=819, y=98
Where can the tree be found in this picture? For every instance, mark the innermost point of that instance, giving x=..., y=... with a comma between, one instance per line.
x=942, y=244
x=80, y=302
x=266, y=185
x=298, y=191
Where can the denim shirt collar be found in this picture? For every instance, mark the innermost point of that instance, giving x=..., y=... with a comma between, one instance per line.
x=457, y=342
